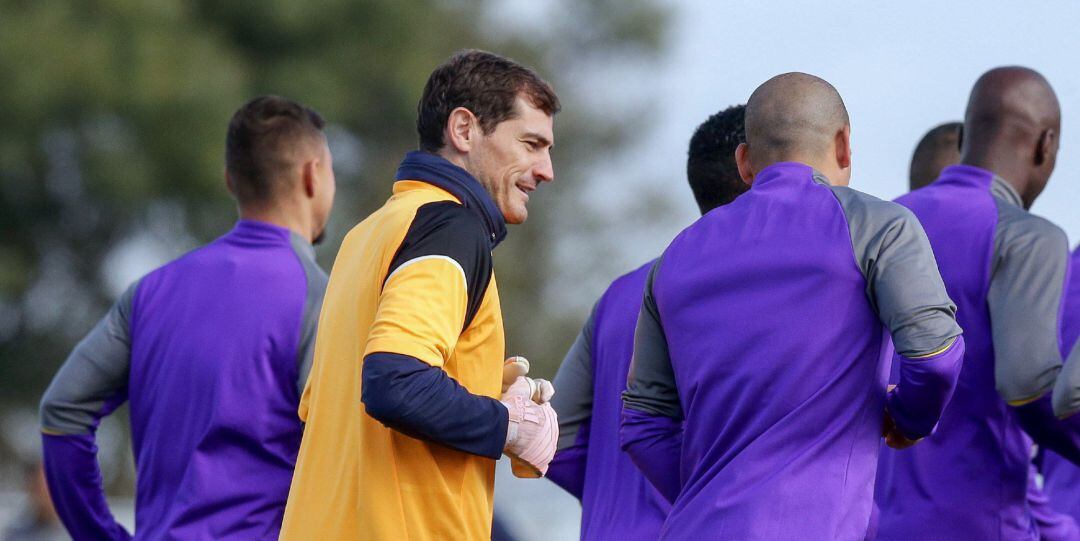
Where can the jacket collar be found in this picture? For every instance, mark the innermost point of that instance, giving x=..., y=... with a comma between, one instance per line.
x=1006, y=192
x=437, y=171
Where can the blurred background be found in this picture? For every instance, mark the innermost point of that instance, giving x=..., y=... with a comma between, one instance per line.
x=113, y=115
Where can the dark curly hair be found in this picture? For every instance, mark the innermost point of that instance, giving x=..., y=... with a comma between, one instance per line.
x=486, y=84
x=710, y=164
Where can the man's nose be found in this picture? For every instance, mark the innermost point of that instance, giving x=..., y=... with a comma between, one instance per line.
x=544, y=171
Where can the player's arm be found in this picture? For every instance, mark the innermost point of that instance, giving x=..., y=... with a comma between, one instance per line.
x=573, y=403
x=315, y=282
x=434, y=287
x=906, y=290
x=91, y=383
x=1025, y=300
x=652, y=416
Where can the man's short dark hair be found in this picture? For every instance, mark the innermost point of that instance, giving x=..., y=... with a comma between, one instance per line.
x=710, y=164
x=486, y=84
x=938, y=149
x=257, y=147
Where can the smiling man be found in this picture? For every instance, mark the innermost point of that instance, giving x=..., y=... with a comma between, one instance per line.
x=404, y=419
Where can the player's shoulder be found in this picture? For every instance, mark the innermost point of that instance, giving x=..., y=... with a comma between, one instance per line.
x=635, y=276
x=630, y=284
x=872, y=213
x=1017, y=227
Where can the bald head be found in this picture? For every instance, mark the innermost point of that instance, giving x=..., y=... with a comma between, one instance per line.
x=938, y=149
x=1011, y=127
x=795, y=117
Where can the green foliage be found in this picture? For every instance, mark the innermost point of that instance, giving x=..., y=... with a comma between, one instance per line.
x=112, y=117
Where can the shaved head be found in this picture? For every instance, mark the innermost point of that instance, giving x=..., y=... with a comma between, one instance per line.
x=1011, y=127
x=938, y=149
x=793, y=117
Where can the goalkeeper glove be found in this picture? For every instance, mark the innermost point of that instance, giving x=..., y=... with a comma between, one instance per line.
x=541, y=390
x=533, y=432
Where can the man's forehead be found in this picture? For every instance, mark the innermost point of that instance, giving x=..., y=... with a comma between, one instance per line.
x=530, y=118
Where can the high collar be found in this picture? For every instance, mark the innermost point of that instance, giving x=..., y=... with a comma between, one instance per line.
x=437, y=171
x=969, y=175
x=982, y=178
x=1001, y=188
x=788, y=170
x=256, y=233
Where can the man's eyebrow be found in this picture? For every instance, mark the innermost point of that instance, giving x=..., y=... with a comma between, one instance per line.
x=544, y=141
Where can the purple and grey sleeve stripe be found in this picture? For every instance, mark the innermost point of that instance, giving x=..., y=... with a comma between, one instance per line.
x=902, y=279
x=906, y=290
x=94, y=374
x=1026, y=290
x=650, y=385
x=650, y=430
x=91, y=384
x=316, y=288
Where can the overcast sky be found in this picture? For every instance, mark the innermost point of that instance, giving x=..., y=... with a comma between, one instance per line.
x=902, y=68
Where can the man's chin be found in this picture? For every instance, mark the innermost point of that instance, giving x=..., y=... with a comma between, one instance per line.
x=516, y=217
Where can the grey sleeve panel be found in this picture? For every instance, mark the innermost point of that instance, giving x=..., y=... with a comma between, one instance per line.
x=573, y=400
x=316, y=288
x=902, y=278
x=650, y=386
x=94, y=374
x=1066, y=395
x=1027, y=282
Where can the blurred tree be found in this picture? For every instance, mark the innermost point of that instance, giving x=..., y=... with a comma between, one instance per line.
x=112, y=120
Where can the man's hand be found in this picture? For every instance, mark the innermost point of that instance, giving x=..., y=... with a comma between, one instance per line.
x=533, y=433
x=893, y=437
x=541, y=390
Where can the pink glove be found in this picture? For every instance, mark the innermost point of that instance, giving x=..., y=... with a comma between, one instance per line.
x=518, y=367
x=533, y=432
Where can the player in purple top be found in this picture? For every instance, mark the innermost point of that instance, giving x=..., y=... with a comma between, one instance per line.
x=1005, y=268
x=616, y=499
x=757, y=390
x=1062, y=476
x=211, y=352
x=938, y=149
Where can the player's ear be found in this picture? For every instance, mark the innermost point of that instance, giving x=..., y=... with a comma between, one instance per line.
x=309, y=177
x=460, y=129
x=843, y=147
x=742, y=160
x=1046, y=147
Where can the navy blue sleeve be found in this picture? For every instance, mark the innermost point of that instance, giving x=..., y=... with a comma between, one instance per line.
x=422, y=401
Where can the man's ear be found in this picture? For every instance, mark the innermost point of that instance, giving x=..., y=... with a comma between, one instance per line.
x=308, y=179
x=460, y=132
x=742, y=160
x=843, y=147
x=1046, y=147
